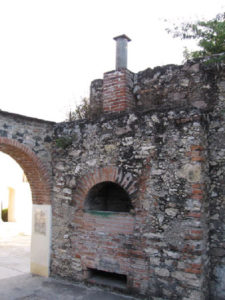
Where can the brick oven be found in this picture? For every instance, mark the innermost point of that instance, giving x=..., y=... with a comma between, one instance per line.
x=138, y=187
x=105, y=226
x=132, y=197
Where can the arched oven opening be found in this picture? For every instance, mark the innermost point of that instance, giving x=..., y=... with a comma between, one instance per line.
x=108, y=196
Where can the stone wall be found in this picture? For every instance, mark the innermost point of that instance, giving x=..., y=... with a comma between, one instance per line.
x=28, y=141
x=162, y=248
x=192, y=85
x=216, y=160
x=169, y=245
x=163, y=146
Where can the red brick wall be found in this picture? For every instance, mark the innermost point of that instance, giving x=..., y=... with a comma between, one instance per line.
x=102, y=239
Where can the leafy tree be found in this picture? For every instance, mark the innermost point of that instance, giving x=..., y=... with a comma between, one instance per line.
x=210, y=36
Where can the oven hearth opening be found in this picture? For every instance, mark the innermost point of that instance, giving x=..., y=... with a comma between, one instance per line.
x=113, y=280
x=108, y=196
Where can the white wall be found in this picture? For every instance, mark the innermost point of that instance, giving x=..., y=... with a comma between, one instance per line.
x=11, y=182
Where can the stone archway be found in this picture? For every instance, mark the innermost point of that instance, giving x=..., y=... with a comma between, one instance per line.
x=40, y=184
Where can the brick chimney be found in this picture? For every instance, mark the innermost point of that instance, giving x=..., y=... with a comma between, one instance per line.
x=117, y=85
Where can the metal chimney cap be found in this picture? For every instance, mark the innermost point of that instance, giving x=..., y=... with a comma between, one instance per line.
x=122, y=36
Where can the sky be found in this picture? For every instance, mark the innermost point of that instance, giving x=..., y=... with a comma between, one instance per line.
x=51, y=50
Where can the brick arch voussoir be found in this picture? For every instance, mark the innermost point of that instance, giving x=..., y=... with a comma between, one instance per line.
x=110, y=173
x=37, y=174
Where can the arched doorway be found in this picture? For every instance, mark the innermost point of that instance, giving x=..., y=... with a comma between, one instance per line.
x=15, y=219
x=15, y=198
x=40, y=184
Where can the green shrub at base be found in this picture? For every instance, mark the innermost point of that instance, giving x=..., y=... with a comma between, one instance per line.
x=5, y=215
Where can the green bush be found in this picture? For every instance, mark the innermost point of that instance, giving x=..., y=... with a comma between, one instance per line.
x=5, y=214
x=65, y=141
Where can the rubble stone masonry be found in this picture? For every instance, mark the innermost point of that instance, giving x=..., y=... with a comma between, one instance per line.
x=159, y=138
x=170, y=244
